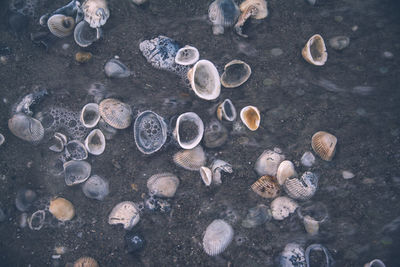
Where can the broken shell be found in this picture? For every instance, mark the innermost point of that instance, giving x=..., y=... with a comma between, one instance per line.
x=95, y=142
x=116, y=113
x=76, y=171
x=125, y=213
x=257, y=216
x=235, y=74
x=61, y=25
x=375, y=263
x=314, y=51
x=150, y=132
x=268, y=163
x=163, y=184
x=217, y=167
x=90, y=115
x=84, y=35
x=204, y=80
x=324, y=144
x=191, y=159
x=96, y=187
x=226, y=110
x=256, y=9
x=86, y=262
x=62, y=209
x=187, y=55
x=76, y=150
x=217, y=237
x=267, y=187
x=206, y=175
x=24, y=199
x=250, y=116
x=282, y=207
x=302, y=188
x=312, y=214
x=189, y=130
x=222, y=13
x=215, y=134
x=26, y=128
x=326, y=260
x=60, y=142
x=36, y=221
x=95, y=12
x=339, y=42
x=285, y=170
x=292, y=255
x=116, y=69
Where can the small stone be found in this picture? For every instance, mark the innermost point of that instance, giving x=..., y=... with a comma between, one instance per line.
x=65, y=46
x=383, y=70
x=62, y=209
x=354, y=28
x=308, y=159
x=276, y=52
x=300, y=92
x=268, y=82
x=368, y=181
x=347, y=174
x=83, y=57
x=388, y=55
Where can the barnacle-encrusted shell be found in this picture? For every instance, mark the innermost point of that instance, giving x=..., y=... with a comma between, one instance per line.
x=90, y=115
x=215, y=134
x=95, y=142
x=206, y=175
x=285, y=170
x=86, y=262
x=250, y=116
x=324, y=144
x=60, y=142
x=61, y=25
x=163, y=184
x=125, y=213
x=204, y=80
x=96, y=12
x=189, y=130
x=257, y=216
x=76, y=150
x=62, y=209
x=26, y=128
x=236, y=72
x=116, y=69
x=191, y=159
x=217, y=238
x=222, y=13
x=314, y=51
x=76, y=171
x=187, y=55
x=96, y=187
x=268, y=163
x=226, y=110
x=116, y=113
x=302, y=188
x=266, y=186
x=282, y=207
x=292, y=255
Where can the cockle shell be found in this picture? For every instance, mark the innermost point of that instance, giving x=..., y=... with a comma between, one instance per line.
x=236, y=73
x=116, y=69
x=116, y=113
x=125, y=213
x=187, y=55
x=95, y=142
x=76, y=171
x=191, y=159
x=268, y=163
x=163, y=184
x=62, y=209
x=95, y=12
x=26, y=128
x=217, y=167
x=282, y=207
x=226, y=110
x=96, y=187
x=60, y=142
x=250, y=116
x=84, y=35
x=285, y=170
x=266, y=187
x=206, y=175
x=76, y=150
x=90, y=115
x=314, y=51
x=327, y=260
x=61, y=25
x=215, y=134
x=256, y=9
x=292, y=255
x=222, y=13
x=302, y=188
x=204, y=80
x=257, y=216
x=217, y=237
x=324, y=144
x=189, y=130
x=86, y=262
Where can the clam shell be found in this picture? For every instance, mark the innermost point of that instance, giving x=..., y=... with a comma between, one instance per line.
x=206, y=175
x=95, y=12
x=219, y=166
x=187, y=55
x=292, y=255
x=339, y=42
x=90, y=115
x=36, y=221
x=191, y=159
x=95, y=142
x=302, y=188
x=257, y=216
x=260, y=5
x=61, y=25
x=62, y=209
x=222, y=13
x=26, y=128
x=226, y=110
x=96, y=187
x=307, y=159
x=125, y=213
x=268, y=163
x=215, y=134
x=116, y=113
x=86, y=262
x=324, y=144
x=163, y=184
x=217, y=237
x=250, y=116
x=60, y=142
x=116, y=69
x=189, y=130
x=314, y=51
x=236, y=72
x=327, y=260
x=76, y=172
x=267, y=187
x=285, y=170
x=76, y=150
x=84, y=35
x=282, y=207
x=204, y=80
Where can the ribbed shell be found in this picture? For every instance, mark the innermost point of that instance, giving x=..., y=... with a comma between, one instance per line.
x=95, y=142
x=268, y=163
x=96, y=12
x=76, y=171
x=302, y=188
x=226, y=110
x=86, y=262
x=236, y=73
x=26, y=128
x=251, y=117
x=61, y=25
x=324, y=144
x=191, y=159
x=285, y=170
x=163, y=184
x=217, y=238
x=116, y=69
x=90, y=115
x=222, y=13
x=62, y=209
x=125, y=213
x=187, y=55
x=267, y=187
x=282, y=207
x=116, y=113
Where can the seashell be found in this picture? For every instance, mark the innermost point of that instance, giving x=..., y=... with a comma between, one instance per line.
x=218, y=166
x=26, y=128
x=215, y=134
x=312, y=214
x=150, y=132
x=375, y=263
x=236, y=73
x=116, y=113
x=116, y=69
x=90, y=115
x=163, y=184
x=95, y=142
x=339, y=42
x=96, y=187
x=191, y=159
x=2, y=139
x=72, y=9
x=307, y=159
x=25, y=104
x=282, y=207
x=268, y=163
x=266, y=187
x=84, y=35
x=187, y=55
x=95, y=12
x=86, y=262
x=139, y=2
x=226, y=110
x=189, y=130
x=62, y=209
x=222, y=13
x=206, y=175
x=60, y=142
x=285, y=170
x=257, y=216
x=83, y=57
x=61, y=25
x=134, y=242
x=256, y=9
x=302, y=188
x=76, y=150
x=292, y=255
x=250, y=116
x=217, y=237
x=324, y=144
x=204, y=80
x=36, y=221
x=76, y=171
x=314, y=51
x=125, y=213
x=24, y=199
x=326, y=260
x=107, y=129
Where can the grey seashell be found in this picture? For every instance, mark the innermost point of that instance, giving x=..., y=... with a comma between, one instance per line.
x=268, y=163
x=215, y=134
x=219, y=166
x=36, y=221
x=163, y=184
x=187, y=55
x=76, y=150
x=107, y=129
x=26, y=128
x=60, y=142
x=204, y=80
x=189, y=130
x=24, y=199
x=217, y=237
x=84, y=36
x=282, y=207
x=125, y=213
x=307, y=159
x=116, y=113
x=375, y=263
x=150, y=132
x=339, y=42
x=76, y=172
x=302, y=188
x=116, y=69
x=95, y=12
x=90, y=115
x=61, y=25
x=222, y=13
x=256, y=216
x=236, y=73
x=312, y=214
x=206, y=175
x=226, y=110
x=2, y=139
x=96, y=187
x=285, y=170
x=292, y=256
x=327, y=261
x=191, y=159
x=95, y=142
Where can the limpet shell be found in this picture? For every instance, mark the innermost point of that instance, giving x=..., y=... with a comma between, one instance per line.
x=95, y=142
x=314, y=51
x=266, y=187
x=125, y=213
x=90, y=115
x=251, y=117
x=215, y=134
x=302, y=188
x=292, y=255
x=206, y=175
x=95, y=12
x=26, y=128
x=282, y=207
x=204, y=80
x=226, y=110
x=62, y=209
x=217, y=237
x=86, y=262
x=116, y=113
x=61, y=25
x=163, y=184
x=76, y=171
x=324, y=144
x=268, y=163
x=236, y=73
x=285, y=170
x=222, y=13
x=189, y=130
x=187, y=55
x=191, y=159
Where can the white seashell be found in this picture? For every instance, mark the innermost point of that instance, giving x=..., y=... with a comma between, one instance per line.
x=307, y=159
x=76, y=171
x=116, y=69
x=324, y=144
x=347, y=175
x=217, y=237
x=2, y=139
x=187, y=55
x=61, y=25
x=236, y=73
x=268, y=163
x=292, y=255
x=60, y=142
x=95, y=12
x=95, y=142
x=116, y=113
x=282, y=207
x=216, y=168
x=76, y=150
x=314, y=51
x=36, y=221
x=90, y=115
x=302, y=188
x=84, y=35
x=222, y=13
x=191, y=159
x=226, y=110
x=206, y=175
x=285, y=170
x=204, y=80
x=163, y=184
x=251, y=117
x=96, y=187
x=256, y=9
x=375, y=263
x=125, y=213
x=26, y=128
x=189, y=130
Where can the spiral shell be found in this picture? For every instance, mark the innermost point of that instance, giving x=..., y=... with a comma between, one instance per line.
x=163, y=184
x=125, y=213
x=302, y=188
x=116, y=113
x=267, y=187
x=324, y=144
x=61, y=25
x=26, y=128
x=191, y=159
x=217, y=238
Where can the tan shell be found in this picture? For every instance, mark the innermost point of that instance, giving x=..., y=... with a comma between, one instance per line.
x=163, y=184
x=324, y=144
x=266, y=187
x=61, y=25
x=250, y=116
x=261, y=5
x=86, y=262
x=236, y=73
x=116, y=113
x=285, y=170
x=190, y=159
x=62, y=209
x=314, y=51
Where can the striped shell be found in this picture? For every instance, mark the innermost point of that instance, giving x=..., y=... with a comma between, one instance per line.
x=96, y=12
x=217, y=238
x=61, y=25
x=26, y=128
x=285, y=170
x=222, y=13
x=302, y=188
x=125, y=213
x=163, y=184
x=116, y=113
x=282, y=207
x=268, y=163
x=266, y=187
x=86, y=262
x=324, y=144
x=191, y=159
x=95, y=142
